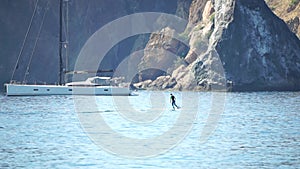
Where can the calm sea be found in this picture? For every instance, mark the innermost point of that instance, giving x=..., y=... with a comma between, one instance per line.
x=211, y=130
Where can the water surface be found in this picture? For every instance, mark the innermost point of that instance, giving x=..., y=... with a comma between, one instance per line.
x=256, y=130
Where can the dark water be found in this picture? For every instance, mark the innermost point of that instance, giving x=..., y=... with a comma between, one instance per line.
x=255, y=130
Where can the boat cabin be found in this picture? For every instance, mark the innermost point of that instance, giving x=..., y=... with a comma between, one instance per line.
x=92, y=81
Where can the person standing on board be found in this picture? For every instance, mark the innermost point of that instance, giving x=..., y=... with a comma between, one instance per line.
x=172, y=100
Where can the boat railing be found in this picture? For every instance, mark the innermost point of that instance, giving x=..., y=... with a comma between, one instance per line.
x=34, y=83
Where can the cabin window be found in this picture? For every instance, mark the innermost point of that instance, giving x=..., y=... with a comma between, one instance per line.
x=35, y=89
x=48, y=89
x=70, y=90
x=106, y=90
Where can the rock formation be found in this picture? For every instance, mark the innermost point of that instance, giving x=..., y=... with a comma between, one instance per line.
x=258, y=51
x=236, y=45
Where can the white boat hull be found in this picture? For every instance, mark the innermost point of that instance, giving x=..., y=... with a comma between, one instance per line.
x=38, y=90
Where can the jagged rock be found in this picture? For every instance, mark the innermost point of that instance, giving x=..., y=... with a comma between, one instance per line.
x=257, y=49
x=169, y=84
x=294, y=24
x=196, y=11
x=143, y=84
x=207, y=12
x=161, y=52
x=191, y=57
x=159, y=82
x=198, y=28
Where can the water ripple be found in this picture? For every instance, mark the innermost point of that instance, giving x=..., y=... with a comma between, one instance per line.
x=257, y=130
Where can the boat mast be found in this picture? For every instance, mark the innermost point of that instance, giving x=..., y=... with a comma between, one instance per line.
x=63, y=40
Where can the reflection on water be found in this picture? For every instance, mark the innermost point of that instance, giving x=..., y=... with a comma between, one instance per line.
x=256, y=130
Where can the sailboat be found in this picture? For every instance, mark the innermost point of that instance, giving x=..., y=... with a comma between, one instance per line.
x=91, y=86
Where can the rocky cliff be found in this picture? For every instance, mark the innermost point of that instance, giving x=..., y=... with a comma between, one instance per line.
x=236, y=45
